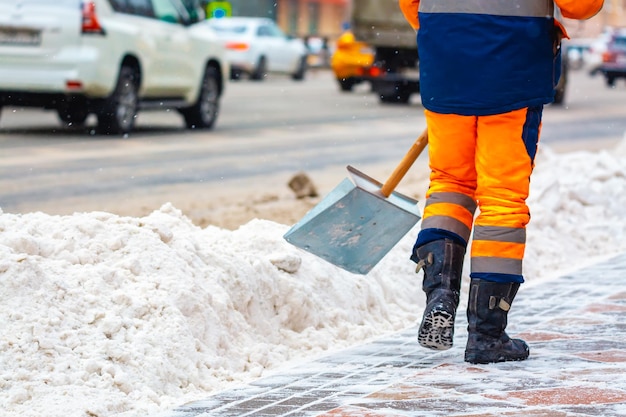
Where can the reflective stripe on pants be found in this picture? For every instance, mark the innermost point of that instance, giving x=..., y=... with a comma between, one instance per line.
x=483, y=161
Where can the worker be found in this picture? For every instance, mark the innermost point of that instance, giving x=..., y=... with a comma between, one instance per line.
x=487, y=68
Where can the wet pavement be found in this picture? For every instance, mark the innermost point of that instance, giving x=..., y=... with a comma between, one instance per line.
x=575, y=326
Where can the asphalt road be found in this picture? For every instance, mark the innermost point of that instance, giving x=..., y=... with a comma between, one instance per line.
x=266, y=132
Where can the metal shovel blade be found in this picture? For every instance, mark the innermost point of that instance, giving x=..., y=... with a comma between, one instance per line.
x=355, y=225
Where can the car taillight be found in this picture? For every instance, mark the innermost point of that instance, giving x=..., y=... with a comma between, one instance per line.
x=237, y=46
x=91, y=24
x=609, y=56
x=376, y=71
x=370, y=71
x=73, y=84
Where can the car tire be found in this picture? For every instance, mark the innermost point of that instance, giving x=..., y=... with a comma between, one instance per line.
x=260, y=71
x=559, y=96
x=119, y=111
x=559, y=92
x=561, y=86
x=610, y=80
x=235, y=74
x=203, y=114
x=346, y=84
x=73, y=114
x=396, y=98
x=301, y=70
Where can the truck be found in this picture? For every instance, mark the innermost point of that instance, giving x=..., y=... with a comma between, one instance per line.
x=381, y=24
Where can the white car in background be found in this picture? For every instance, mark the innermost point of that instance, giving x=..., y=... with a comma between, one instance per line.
x=111, y=58
x=596, y=51
x=257, y=47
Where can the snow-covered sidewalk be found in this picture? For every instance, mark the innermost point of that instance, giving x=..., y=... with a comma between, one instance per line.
x=575, y=326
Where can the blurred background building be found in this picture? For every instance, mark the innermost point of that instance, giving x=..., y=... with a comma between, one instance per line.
x=328, y=18
x=301, y=18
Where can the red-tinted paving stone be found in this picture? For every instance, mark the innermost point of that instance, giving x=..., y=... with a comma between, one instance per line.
x=573, y=321
x=584, y=395
x=544, y=336
x=618, y=296
x=605, y=308
x=522, y=413
x=612, y=355
x=406, y=391
x=358, y=412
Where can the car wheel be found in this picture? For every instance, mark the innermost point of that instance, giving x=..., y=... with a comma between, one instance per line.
x=73, y=114
x=559, y=92
x=396, y=98
x=301, y=70
x=610, y=81
x=559, y=95
x=235, y=74
x=203, y=114
x=260, y=71
x=118, y=112
x=346, y=84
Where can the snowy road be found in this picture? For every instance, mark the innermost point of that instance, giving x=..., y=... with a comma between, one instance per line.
x=266, y=132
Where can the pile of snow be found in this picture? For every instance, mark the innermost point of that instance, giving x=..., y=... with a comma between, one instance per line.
x=578, y=210
x=117, y=316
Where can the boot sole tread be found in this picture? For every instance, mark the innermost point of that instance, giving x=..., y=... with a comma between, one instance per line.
x=481, y=359
x=437, y=330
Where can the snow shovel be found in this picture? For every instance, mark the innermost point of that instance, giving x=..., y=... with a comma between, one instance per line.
x=359, y=222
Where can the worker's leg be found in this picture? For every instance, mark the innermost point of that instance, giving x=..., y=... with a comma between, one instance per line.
x=446, y=223
x=505, y=152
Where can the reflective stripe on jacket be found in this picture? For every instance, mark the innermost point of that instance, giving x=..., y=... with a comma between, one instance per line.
x=572, y=9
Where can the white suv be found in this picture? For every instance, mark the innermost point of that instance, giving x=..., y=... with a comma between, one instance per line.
x=112, y=58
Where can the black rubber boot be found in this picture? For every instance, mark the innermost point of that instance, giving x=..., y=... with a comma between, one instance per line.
x=487, y=310
x=442, y=262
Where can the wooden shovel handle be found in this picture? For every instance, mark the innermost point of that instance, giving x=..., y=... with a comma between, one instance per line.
x=410, y=157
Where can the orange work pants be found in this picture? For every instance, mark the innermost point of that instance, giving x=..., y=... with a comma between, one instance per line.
x=484, y=163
